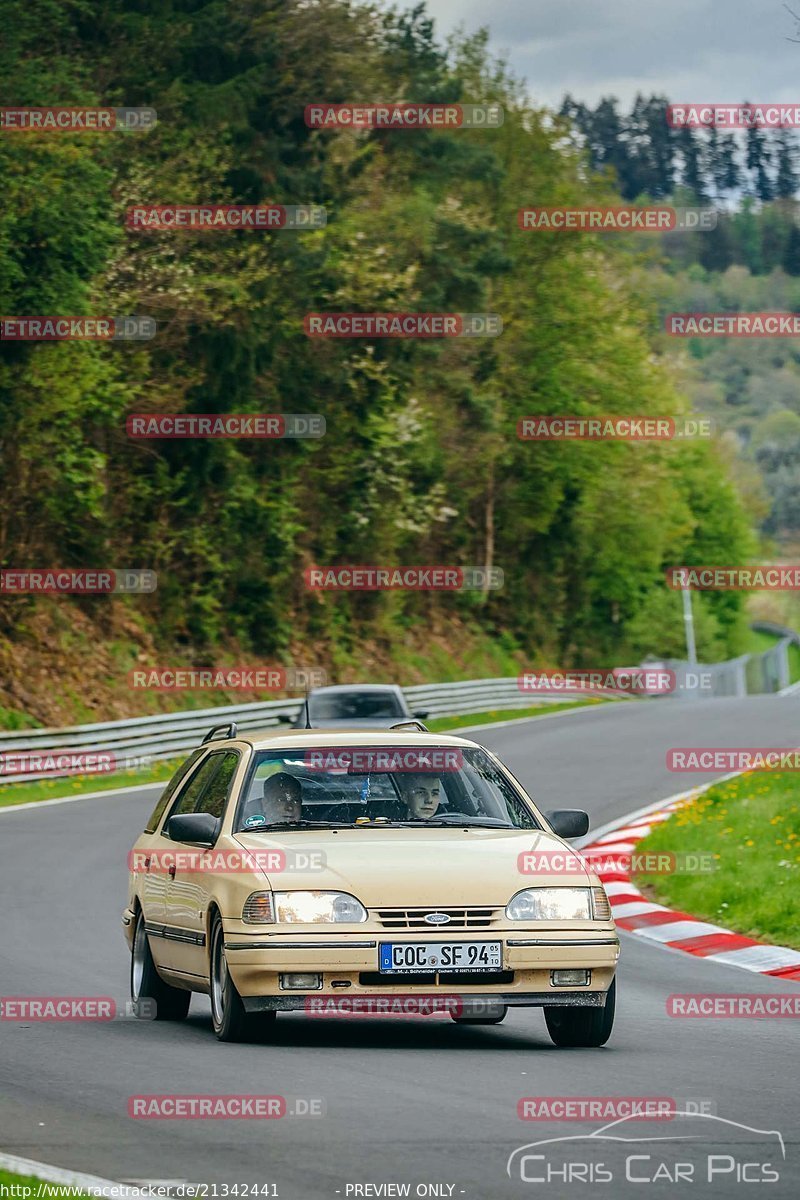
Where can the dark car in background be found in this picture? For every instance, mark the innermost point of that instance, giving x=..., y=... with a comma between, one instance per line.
x=373, y=705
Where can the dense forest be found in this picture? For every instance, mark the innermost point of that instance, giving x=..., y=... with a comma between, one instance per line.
x=749, y=262
x=420, y=462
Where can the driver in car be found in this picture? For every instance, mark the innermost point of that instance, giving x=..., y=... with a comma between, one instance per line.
x=422, y=794
x=283, y=799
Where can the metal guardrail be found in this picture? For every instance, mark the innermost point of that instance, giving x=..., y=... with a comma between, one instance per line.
x=748, y=675
x=142, y=739
x=137, y=740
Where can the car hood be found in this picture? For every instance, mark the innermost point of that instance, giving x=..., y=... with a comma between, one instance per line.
x=413, y=867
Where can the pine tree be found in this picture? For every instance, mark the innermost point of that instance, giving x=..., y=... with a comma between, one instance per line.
x=609, y=146
x=725, y=169
x=692, y=166
x=786, y=179
x=758, y=159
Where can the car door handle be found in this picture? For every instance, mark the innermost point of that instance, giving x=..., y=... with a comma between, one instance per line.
x=172, y=870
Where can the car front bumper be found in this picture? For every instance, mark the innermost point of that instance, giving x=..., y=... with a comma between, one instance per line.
x=348, y=967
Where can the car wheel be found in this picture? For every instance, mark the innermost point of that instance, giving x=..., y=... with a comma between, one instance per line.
x=582, y=1025
x=493, y=1019
x=231, y=1022
x=151, y=997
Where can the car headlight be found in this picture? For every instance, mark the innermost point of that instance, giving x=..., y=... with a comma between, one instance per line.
x=551, y=904
x=318, y=907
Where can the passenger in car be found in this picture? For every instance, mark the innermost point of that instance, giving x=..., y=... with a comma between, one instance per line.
x=283, y=798
x=422, y=794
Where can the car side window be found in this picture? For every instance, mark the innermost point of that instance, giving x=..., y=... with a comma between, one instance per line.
x=193, y=792
x=170, y=790
x=215, y=795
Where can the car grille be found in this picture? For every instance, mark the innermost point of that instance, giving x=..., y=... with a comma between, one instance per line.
x=460, y=918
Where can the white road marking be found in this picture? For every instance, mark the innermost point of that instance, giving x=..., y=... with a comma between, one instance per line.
x=678, y=931
x=617, y=888
x=635, y=908
x=759, y=958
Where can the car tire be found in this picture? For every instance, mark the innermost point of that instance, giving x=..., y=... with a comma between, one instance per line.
x=495, y=1019
x=151, y=997
x=231, y=1022
x=582, y=1025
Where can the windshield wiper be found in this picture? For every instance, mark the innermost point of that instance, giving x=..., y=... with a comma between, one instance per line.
x=282, y=826
x=451, y=819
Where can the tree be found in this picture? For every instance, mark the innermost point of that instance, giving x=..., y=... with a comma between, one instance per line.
x=758, y=160
x=786, y=179
x=692, y=172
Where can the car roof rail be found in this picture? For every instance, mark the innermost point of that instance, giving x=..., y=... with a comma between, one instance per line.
x=214, y=735
x=412, y=724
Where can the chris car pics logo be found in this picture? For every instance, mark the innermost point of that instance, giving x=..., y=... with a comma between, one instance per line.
x=694, y=1148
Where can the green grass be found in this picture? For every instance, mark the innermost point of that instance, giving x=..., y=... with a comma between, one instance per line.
x=757, y=643
x=794, y=664
x=751, y=824
x=78, y=785
x=53, y=1190
x=12, y=719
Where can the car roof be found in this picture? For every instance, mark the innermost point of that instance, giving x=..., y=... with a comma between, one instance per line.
x=279, y=738
x=355, y=687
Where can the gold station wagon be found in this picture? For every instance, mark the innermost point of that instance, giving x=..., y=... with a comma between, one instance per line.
x=361, y=872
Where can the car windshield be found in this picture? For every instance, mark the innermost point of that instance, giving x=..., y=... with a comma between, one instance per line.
x=346, y=706
x=373, y=787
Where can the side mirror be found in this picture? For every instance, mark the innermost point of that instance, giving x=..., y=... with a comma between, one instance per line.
x=421, y=714
x=569, y=822
x=198, y=828
x=285, y=719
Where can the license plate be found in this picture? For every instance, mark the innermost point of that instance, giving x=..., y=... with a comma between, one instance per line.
x=404, y=958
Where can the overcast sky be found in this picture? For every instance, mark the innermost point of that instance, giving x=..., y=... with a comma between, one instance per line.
x=698, y=50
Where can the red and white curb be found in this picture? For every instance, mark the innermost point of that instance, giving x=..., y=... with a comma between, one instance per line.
x=633, y=912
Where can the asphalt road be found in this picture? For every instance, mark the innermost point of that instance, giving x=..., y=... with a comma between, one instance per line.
x=423, y=1102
